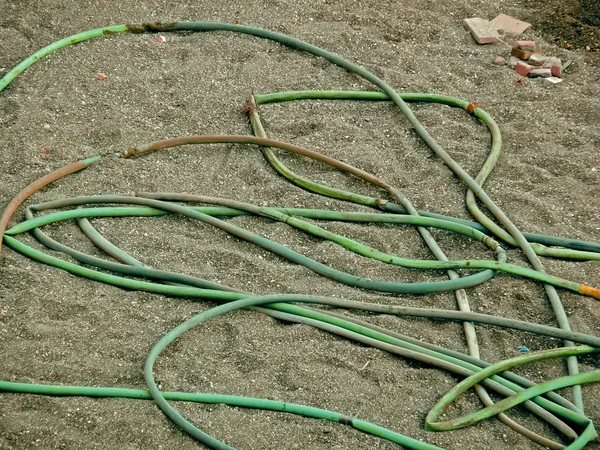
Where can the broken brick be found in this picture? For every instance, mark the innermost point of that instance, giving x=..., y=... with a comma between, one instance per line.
x=510, y=25
x=526, y=45
x=556, y=70
x=522, y=69
x=522, y=54
x=483, y=31
x=499, y=60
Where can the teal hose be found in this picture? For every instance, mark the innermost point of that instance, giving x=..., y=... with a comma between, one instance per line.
x=321, y=269
x=345, y=242
x=231, y=400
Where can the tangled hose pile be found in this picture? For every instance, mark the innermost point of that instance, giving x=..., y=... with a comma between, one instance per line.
x=566, y=417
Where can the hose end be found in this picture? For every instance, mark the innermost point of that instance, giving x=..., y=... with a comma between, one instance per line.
x=590, y=291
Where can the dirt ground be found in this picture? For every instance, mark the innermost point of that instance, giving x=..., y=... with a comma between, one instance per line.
x=572, y=24
x=57, y=328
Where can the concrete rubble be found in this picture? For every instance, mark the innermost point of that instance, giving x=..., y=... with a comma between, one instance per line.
x=525, y=58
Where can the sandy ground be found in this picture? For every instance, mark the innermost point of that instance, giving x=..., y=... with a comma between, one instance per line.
x=56, y=328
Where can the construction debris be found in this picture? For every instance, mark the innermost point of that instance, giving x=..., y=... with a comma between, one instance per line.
x=526, y=45
x=510, y=25
x=522, y=54
x=556, y=70
x=522, y=68
x=512, y=62
x=531, y=63
x=483, y=31
x=526, y=59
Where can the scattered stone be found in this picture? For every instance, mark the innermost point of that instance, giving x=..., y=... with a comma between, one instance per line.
x=483, y=31
x=523, y=69
x=537, y=73
x=552, y=61
x=499, y=60
x=567, y=65
x=551, y=81
x=46, y=126
x=512, y=62
x=556, y=70
x=537, y=60
x=510, y=25
x=101, y=76
x=528, y=46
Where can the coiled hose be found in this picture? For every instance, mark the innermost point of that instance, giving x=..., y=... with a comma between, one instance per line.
x=537, y=398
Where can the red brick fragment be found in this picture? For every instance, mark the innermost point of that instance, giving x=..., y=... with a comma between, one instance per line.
x=556, y=70
x=522, y=69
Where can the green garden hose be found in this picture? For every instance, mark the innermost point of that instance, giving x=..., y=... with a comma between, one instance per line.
x=537, y=398
x=392, y=287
